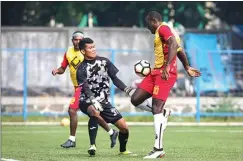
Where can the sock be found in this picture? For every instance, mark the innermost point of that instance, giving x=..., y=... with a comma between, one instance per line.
x=158, y=125
x=111, y=131
x=93, y=128
x=146, y=105
x=123, y=138
x=72, y=138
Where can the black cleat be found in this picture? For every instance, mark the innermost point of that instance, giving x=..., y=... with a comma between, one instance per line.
x=113, y=138
x=68, y=144
x=92, y=150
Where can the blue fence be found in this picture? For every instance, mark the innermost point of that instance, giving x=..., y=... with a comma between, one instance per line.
x=126, y=57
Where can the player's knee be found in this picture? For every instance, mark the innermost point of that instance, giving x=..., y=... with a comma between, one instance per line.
x=124, y=129
x=135, y=100
x=93, y=112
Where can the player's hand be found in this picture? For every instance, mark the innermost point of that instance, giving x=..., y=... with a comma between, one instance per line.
x=127, y=90
x=193, y=72
x=165, y=73
x=54, y=72
x=96, y=105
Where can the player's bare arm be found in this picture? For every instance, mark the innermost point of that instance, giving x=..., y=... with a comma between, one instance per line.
x=59, y=70
x=62, y=68
x=183, y=58
x=173, y=45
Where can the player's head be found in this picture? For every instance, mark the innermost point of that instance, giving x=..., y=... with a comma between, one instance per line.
x=76, y=37
x=153, y=20
x=87, y=47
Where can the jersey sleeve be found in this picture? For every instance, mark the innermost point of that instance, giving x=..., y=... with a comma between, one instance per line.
x=81, y=74
x=64, y=62
x=112, y=70
x=165, y=32
x=82, y=80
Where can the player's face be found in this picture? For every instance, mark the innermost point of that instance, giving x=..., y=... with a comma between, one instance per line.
x=90, y=51
x=75, y=41
x=151, y=25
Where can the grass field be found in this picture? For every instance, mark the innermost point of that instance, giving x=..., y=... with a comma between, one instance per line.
x=34, y=143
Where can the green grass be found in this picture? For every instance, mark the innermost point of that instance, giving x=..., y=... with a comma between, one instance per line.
x=42, y=143
x=128, y=118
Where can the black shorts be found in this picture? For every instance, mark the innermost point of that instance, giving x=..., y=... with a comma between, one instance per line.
x=110, y=114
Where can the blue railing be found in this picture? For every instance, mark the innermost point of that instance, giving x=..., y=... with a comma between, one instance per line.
x=113, y=53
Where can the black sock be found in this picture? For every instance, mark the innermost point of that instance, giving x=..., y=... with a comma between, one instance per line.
x=123, y=138
x=93, y=128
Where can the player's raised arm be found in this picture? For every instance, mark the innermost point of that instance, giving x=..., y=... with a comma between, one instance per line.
x=62, y=68
x=112, y=71
x=183, y=58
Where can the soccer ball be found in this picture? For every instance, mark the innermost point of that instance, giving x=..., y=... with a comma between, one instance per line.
x=65, y=122
x=142, y=68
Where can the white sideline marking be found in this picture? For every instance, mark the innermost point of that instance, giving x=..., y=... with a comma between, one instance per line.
x=137, y=123
x=4, y=159
x=132, y=131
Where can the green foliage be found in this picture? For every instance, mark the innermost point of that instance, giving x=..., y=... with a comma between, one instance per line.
x=120, y=13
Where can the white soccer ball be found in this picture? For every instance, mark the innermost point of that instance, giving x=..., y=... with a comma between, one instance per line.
x=142, y=68
x=65, y=122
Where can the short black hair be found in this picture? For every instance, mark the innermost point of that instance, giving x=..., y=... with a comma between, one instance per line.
x=155, y=15
x=85, y=41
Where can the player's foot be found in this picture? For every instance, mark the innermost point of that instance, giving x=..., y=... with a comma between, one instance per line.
x=155, y=153
x=113, y=138
x=166, y=113
x=127, y=153
x=68, y=144
x=92, y=150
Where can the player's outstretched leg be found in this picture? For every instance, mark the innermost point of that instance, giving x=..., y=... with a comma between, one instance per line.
x=139, y=97
x=93, y=129
x=96, y=115
x=73, y=108
x=146, y=105
x=71, y=142
x=123, y=136
x=159, y=121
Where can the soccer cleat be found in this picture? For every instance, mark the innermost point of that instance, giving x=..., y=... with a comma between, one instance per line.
x=92, y=150
x=68, y=144
x=113, y=138
x=166, y=113
x=155, y=153
x=126, y=153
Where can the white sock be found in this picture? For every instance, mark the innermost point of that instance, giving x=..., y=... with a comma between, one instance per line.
x=72, y=138
x=146, y=105
x=110, y=131
x=158, y=125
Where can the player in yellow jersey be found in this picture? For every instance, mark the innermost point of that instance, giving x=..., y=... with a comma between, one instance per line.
x=72, y=58
x=162, y=78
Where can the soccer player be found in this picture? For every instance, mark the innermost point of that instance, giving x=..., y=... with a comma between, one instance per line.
x=72, y=58
x=159, y=82
x=97, y=72
x=147, y=104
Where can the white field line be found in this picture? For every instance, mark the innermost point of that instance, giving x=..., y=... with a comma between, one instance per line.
x=4, y=159
x=137, y=123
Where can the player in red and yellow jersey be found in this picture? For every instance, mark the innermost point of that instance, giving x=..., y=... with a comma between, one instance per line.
x=72, y=59
x=163, y=77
